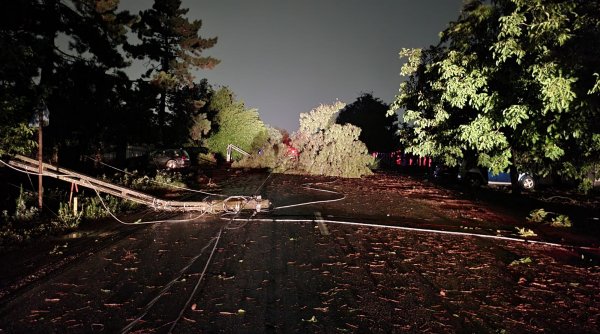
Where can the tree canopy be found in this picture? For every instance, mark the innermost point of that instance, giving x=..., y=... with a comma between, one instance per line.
x=378, y=130
x=514, y=82
x=327, y=148
x=233, y=124
x=172, y=42
x=43, y=43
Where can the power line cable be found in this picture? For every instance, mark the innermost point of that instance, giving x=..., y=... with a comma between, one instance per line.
x=158, y=182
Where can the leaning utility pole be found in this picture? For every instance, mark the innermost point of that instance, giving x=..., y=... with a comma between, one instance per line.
x=40, y=158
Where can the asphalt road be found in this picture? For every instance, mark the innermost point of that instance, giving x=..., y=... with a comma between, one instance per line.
x=217, y=275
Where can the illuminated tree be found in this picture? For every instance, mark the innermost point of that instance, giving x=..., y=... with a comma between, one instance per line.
x=327, y=148
x=515, y=82
x=233, y=123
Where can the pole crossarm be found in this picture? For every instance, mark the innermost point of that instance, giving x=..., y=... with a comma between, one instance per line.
x=214, y=206
x=231, y=147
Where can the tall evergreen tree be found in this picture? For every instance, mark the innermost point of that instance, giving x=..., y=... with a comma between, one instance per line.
x=190, y=122
x=173, y=43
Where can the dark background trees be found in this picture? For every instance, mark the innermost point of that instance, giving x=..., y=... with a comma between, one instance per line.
x=173, y=45
x=378, y=130
x=54, y=45
x=514, y=82
x=66, y=56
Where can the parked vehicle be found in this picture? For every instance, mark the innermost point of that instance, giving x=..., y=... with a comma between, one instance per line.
x=478, y=176
x=445, y=173
x=170, y=159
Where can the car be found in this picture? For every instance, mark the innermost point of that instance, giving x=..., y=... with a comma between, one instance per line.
x=170, y=159
x=477, y=176
x=444, y=173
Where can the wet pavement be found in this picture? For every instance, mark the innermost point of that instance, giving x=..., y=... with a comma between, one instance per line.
x=290, y=274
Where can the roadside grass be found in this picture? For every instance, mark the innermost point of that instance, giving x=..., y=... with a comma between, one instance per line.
x=24, y=222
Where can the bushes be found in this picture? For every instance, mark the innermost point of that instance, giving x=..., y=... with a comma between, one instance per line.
x=26, y=223
x=271, y=156
x=272, y=153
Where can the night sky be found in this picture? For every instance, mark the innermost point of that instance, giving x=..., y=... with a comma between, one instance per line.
x=285, y=57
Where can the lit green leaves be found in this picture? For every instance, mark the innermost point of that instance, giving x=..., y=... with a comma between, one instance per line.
x=514, y=115
x=481, y=135
x=326, y=148
x=236, y=124
x=512, y=82
x=508, y=46
x=413, y=60
x=556, y=89
x=596, y=88
x=319, y=118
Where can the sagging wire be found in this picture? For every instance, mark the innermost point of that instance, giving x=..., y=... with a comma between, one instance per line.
x=262, y=184
x=218, y=237
x=168, y=286
x=416, y=229
x=28, y=173
x=157, y=182
x=307, y=186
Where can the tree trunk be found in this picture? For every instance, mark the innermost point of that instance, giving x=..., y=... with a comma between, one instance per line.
x=514, y=175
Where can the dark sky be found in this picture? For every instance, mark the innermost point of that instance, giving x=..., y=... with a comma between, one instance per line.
x=286, y=57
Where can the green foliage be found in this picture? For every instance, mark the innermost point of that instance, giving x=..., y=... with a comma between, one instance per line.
x=92, y=207
x=187, y=108
x=537, y=216
x=326, y=148
x=561, y=221
x=96, y=207
x=234, y=124
x=206, y=159
x=38, y=68
x=272, y=154
x=523, y=260
x=552, y=218
x=525, y=232
x=163, y=180
x=513, y=82
x=25, y=207
x=26, y=223
x=172, y=42
x=272, y=157
x=16, y=136
x=67, y=217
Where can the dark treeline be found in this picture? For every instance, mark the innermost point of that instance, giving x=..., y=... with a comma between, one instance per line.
x=68, y=58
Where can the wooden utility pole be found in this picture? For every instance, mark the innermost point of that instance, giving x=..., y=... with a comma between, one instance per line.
x=229, y=204
x=40, y=158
